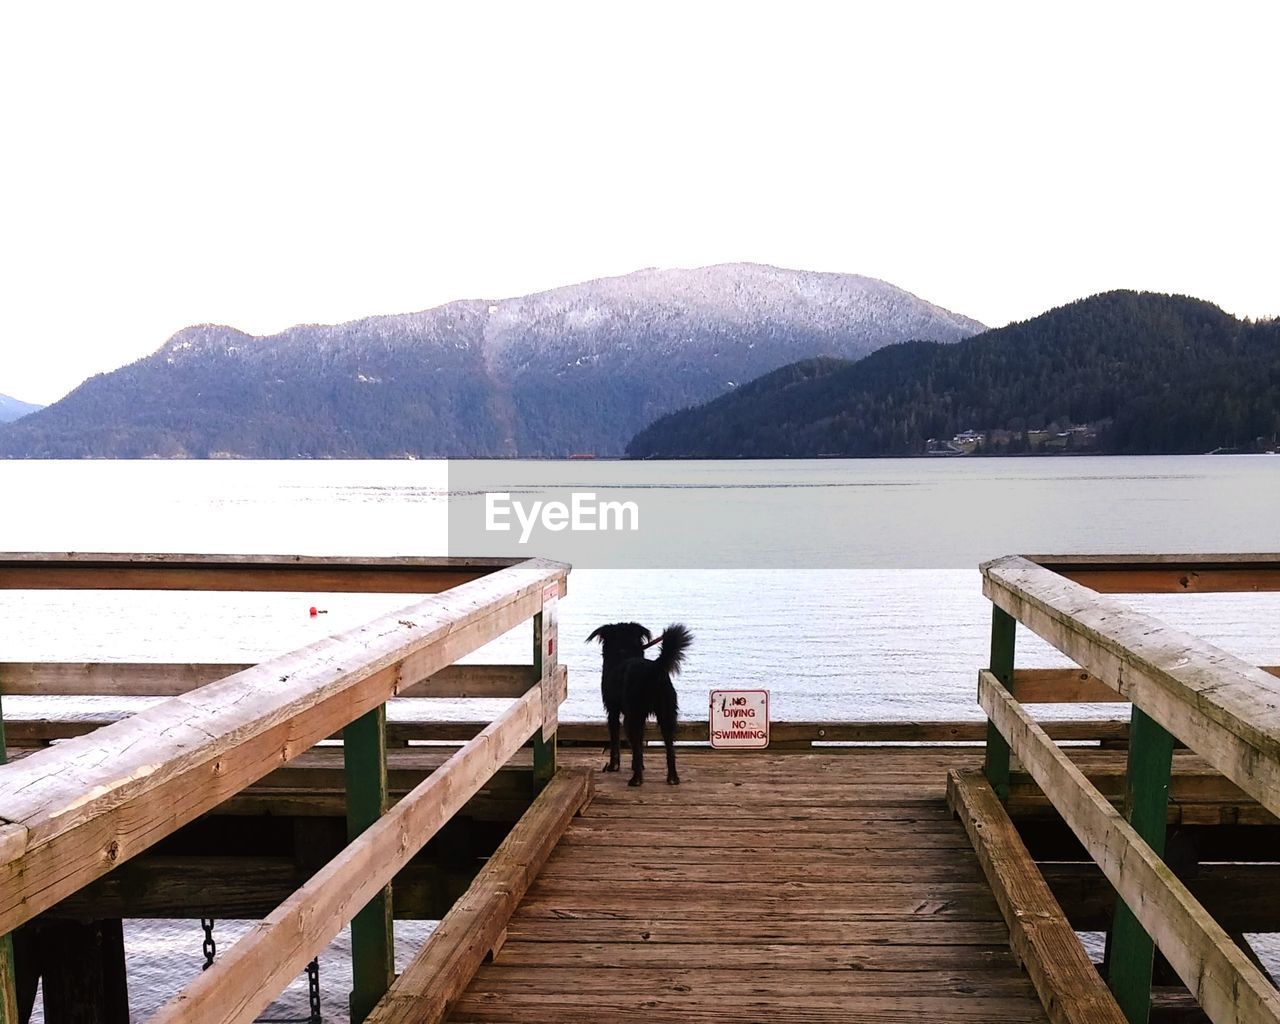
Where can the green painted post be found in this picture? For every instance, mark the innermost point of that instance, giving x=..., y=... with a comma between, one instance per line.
x=544, y=661
x=8, y=976
x=1003, y=630
x=1146, y=804
x=364, y=754
x=8, y=982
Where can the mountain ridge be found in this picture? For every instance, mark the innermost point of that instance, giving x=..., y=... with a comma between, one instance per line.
x=14, y=408
x=566, y=370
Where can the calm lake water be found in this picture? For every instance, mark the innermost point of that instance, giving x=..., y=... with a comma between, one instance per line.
x=867, y=606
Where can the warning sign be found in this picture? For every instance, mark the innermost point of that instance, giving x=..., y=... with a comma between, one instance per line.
x=740, y=718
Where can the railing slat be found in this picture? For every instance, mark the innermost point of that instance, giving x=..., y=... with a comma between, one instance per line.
x=157, y=679
x=1061, y=686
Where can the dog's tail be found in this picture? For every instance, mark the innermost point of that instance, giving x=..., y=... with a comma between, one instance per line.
x=675, y=641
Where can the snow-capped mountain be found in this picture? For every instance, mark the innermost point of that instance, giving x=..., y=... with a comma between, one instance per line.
x=574, y=369
x=12, y=408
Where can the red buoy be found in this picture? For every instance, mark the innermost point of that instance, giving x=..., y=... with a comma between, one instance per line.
x=313, y=611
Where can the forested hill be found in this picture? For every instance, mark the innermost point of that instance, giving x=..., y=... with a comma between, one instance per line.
x=1121, y=372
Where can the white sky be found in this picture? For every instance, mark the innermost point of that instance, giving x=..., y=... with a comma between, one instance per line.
x=267, y=163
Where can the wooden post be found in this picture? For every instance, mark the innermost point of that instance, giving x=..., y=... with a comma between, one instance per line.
x=545, y=642
x=8, y=982
x=1131, y=951
x=372, y=939
x=82, y=971
x=1003, y=630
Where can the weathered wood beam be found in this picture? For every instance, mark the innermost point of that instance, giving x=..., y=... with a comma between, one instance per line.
x=154, y=679
x=1051, y=686
x=1241, y=897
x=239, y=887
x=1218, y=705
x=249, y=975
x=1226, y=984
x=1073, y=686
x=1168, y=574
x=782, y=735
x=447, y=962
x=1069, y=986
x=283, y=573
x=169, y=679
x=1187, y=785
x=73, y=812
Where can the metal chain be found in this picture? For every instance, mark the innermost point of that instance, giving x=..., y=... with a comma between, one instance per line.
x=210, y=947
x=313, y=977
x=313, y=991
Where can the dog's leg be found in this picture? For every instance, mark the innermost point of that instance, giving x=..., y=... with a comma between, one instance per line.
x=615, y=742
x=635, y=736
x=667, y=723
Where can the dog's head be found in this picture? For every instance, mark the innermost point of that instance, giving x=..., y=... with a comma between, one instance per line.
x=621, y=640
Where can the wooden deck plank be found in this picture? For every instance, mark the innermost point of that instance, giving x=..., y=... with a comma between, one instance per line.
x=922, y=817
x=796, y=1008
x=869, y=866
x=801, y=931
x=716, y=981
x=618, y=837
x=784, y=887
x=882, y=957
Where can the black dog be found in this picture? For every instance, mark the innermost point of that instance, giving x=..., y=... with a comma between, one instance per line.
x=634, y=687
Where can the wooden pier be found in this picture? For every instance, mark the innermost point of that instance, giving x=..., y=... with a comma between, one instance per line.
x=790, y=887
x=857, y=871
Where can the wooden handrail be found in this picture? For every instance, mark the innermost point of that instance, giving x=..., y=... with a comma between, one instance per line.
x=1225, y=709
x=71, y=813
x=244, y=981
x=1224, y=981
x=1180, y=686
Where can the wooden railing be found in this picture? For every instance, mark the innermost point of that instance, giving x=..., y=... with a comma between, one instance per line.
x=72, y=812
x=1181, y=688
